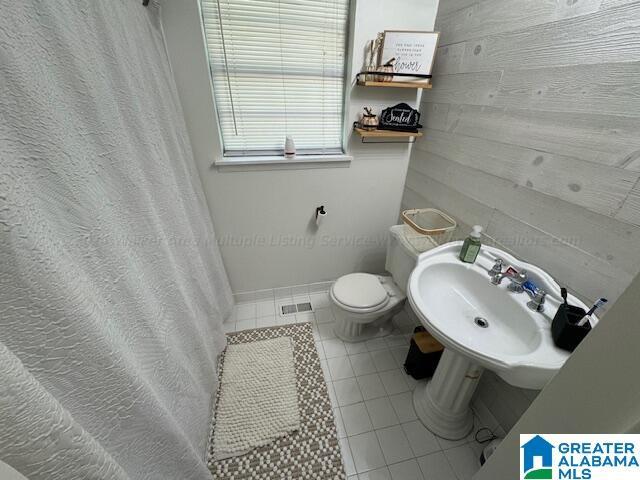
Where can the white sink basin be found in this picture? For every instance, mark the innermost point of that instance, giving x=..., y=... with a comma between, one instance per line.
x=508, y=338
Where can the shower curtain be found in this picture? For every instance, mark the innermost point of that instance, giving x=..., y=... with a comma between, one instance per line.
x=112, y=289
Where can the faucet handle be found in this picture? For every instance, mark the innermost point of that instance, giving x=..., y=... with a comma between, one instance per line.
x=537, y=302
x=497, y=267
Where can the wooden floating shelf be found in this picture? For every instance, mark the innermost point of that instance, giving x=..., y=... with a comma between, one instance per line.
x=385, y=133
x=395, y=84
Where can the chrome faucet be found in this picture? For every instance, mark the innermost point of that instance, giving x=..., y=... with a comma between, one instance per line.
x=516, y=285
x=516, y=278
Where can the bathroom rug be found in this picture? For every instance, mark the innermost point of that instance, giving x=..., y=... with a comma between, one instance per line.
x=310, y=452
x=258, y=396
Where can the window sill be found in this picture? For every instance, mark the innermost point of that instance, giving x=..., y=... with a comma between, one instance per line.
x=278, y=162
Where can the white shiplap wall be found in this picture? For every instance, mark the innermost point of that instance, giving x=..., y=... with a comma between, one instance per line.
x=532, y=129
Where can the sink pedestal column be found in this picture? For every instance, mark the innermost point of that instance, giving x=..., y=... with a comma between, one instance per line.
x=443, y=404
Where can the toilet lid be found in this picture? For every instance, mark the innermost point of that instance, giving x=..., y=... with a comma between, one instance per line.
x=359, y=290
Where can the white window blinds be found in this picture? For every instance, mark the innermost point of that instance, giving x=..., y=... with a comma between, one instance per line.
x=277, y=69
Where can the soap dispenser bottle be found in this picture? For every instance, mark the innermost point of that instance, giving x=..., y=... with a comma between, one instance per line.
x=471, y=245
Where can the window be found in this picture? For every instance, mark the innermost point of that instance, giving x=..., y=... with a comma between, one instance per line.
x=278, y=69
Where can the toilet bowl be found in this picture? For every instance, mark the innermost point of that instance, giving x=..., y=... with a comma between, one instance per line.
x=363, y=303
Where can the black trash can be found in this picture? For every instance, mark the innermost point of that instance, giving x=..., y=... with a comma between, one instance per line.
x=424, y=354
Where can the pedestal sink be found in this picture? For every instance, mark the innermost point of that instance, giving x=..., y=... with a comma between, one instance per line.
x=482, y=326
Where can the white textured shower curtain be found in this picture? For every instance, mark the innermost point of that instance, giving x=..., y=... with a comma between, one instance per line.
x=112, y=290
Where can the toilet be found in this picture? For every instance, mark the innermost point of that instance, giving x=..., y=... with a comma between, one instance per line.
x=363, y=303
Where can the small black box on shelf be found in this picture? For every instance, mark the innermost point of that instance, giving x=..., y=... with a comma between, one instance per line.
x=566, y=332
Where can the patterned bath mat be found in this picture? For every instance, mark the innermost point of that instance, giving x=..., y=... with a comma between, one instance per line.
x=312, y=452
x=258, y=398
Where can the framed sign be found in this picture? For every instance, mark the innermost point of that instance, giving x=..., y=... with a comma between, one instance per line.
x=400, y=117
x=414, y=52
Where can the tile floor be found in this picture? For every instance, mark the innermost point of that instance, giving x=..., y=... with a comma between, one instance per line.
x=380, y=435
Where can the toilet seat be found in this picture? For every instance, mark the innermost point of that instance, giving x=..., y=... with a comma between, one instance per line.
x=360, y=292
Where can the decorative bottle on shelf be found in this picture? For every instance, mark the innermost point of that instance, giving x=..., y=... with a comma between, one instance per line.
x=471, y=246
x=289, y=147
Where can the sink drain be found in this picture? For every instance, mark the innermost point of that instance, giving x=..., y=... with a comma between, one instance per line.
x=481, y=322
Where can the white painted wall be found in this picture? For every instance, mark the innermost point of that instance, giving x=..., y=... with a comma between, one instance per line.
x=262, y=216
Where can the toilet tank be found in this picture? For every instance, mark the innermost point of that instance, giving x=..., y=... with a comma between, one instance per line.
x=401, y=257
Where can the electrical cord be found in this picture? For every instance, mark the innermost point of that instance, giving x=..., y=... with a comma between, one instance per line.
x=489, y=435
